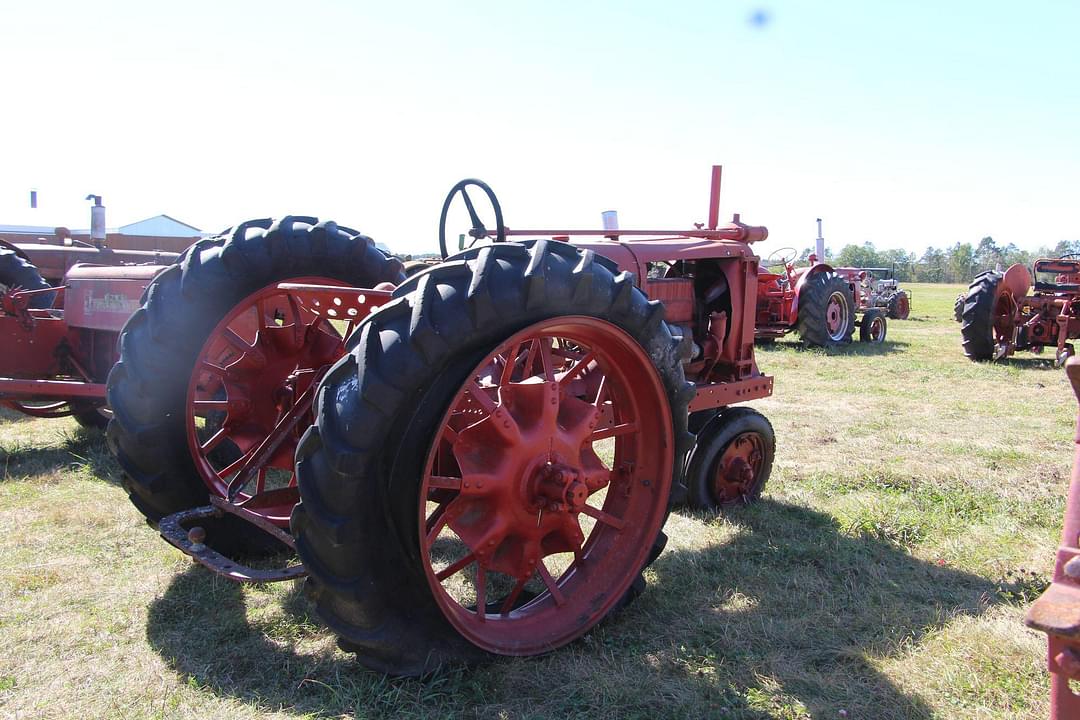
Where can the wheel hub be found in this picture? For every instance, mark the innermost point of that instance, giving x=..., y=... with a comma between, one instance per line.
x=739, y=467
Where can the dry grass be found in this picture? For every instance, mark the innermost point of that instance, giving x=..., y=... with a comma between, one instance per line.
x=879, y=576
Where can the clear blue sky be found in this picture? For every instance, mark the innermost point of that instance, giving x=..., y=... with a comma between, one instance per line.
x=906, y=124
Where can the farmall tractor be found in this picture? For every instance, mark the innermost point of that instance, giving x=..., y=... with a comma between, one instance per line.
x=476, y=460
x=59, y=339
x=998, y=316
x=878, y=288
x=819, y=302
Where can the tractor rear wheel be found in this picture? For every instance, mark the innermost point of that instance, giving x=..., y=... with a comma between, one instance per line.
x=988, y=320
x=872, y=327
x=492, y=464
x=731, y=460
x=17, y=272
x=204, y=360
x=958, y=307
x=826, y=310
x=900, y=306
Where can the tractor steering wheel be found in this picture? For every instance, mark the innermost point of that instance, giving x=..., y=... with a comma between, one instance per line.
x=478, y=230
x=781, y=256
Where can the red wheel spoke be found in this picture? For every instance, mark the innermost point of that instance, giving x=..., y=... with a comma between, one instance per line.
x=482, y=398
x=601, y=392
x=435, y=523
x=613, y=431
x=455, y=567
x=577, y=368
x=213, y=369
x=214, y=441
x=481, y=592
x=549, y=581
x=441, y=482
x=509, y=364
x=601, y=516
x=235, y=340
x=546, y=362
x=209, y=406
x=508, y=603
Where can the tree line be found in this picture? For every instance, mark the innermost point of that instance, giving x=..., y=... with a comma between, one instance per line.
x=956, y=264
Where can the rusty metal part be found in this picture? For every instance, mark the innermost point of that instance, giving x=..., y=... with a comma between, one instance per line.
x=1057, y=611
x=193, y=543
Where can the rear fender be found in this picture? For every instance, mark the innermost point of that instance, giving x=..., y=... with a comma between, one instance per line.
x=805, y=278
x=1017, y=280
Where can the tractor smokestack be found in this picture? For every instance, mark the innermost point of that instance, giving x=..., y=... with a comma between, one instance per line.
x=97, y=221
x=611, y=219
x=819, y=247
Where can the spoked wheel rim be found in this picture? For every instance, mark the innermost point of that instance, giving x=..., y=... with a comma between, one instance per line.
x=738, y=469
x=528, y=536
x=1003, y=319
x=903, y=307
x=876, y=331
x=257, y=371
x=837, y=316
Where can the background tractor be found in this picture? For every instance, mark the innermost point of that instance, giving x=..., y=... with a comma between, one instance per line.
x=59, y=337
x=878, y=288
x=476, y=460
x=999, y=317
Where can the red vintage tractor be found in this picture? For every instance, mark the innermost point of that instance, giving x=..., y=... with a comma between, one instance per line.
x=998, y=316
x=1057, y=611
x=818, y=301
x=60, y=339
x=485, y=453
x=878, y=288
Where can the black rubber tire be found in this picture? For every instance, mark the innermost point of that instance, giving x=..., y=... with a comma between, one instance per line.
x=813, y=300
x=895, y=310
x=15, y=271
x=147, y=387
x=976, y=321
x=958, y=307
x=711, y=442
x=358, y=468
x=868, y=319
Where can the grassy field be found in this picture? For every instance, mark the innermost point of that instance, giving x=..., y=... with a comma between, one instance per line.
x=912, y=515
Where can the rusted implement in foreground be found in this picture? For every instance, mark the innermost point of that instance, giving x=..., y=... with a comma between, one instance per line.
x=1057, y=611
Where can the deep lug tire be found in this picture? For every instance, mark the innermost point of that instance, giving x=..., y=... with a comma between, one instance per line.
x=873, y=327
x=826, y=311
x=15, y=271
x=958, y=307
x=412, y=414
x=731, y=461
x=987, y=318
x=148, y=388
x=900, y=306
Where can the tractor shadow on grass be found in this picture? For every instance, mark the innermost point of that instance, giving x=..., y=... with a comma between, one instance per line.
x=853, y=348
x=76, y=448
x=781, y=617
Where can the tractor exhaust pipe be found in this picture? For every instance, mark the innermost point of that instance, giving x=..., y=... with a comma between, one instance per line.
x=97, y=221
x=819, y=246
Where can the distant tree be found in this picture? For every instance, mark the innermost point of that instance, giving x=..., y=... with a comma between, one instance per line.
x=1066, y=247
x=931, y=267
x=858, y=256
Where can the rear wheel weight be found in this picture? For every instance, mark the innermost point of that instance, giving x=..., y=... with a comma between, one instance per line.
x=154, y=384
x=474, y=362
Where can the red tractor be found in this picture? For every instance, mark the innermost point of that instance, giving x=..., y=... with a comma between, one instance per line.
x=60, y=339
x=998, y=316
x=1057, y=611
x=878, y=288
x=818, y=301
x=478, y=459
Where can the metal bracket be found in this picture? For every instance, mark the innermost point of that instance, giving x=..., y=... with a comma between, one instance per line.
x=191, y=542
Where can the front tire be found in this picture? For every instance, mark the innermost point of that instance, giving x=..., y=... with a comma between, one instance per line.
x=731, y=461
x=443, y=419
x=873, y=327
x=900, y=306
